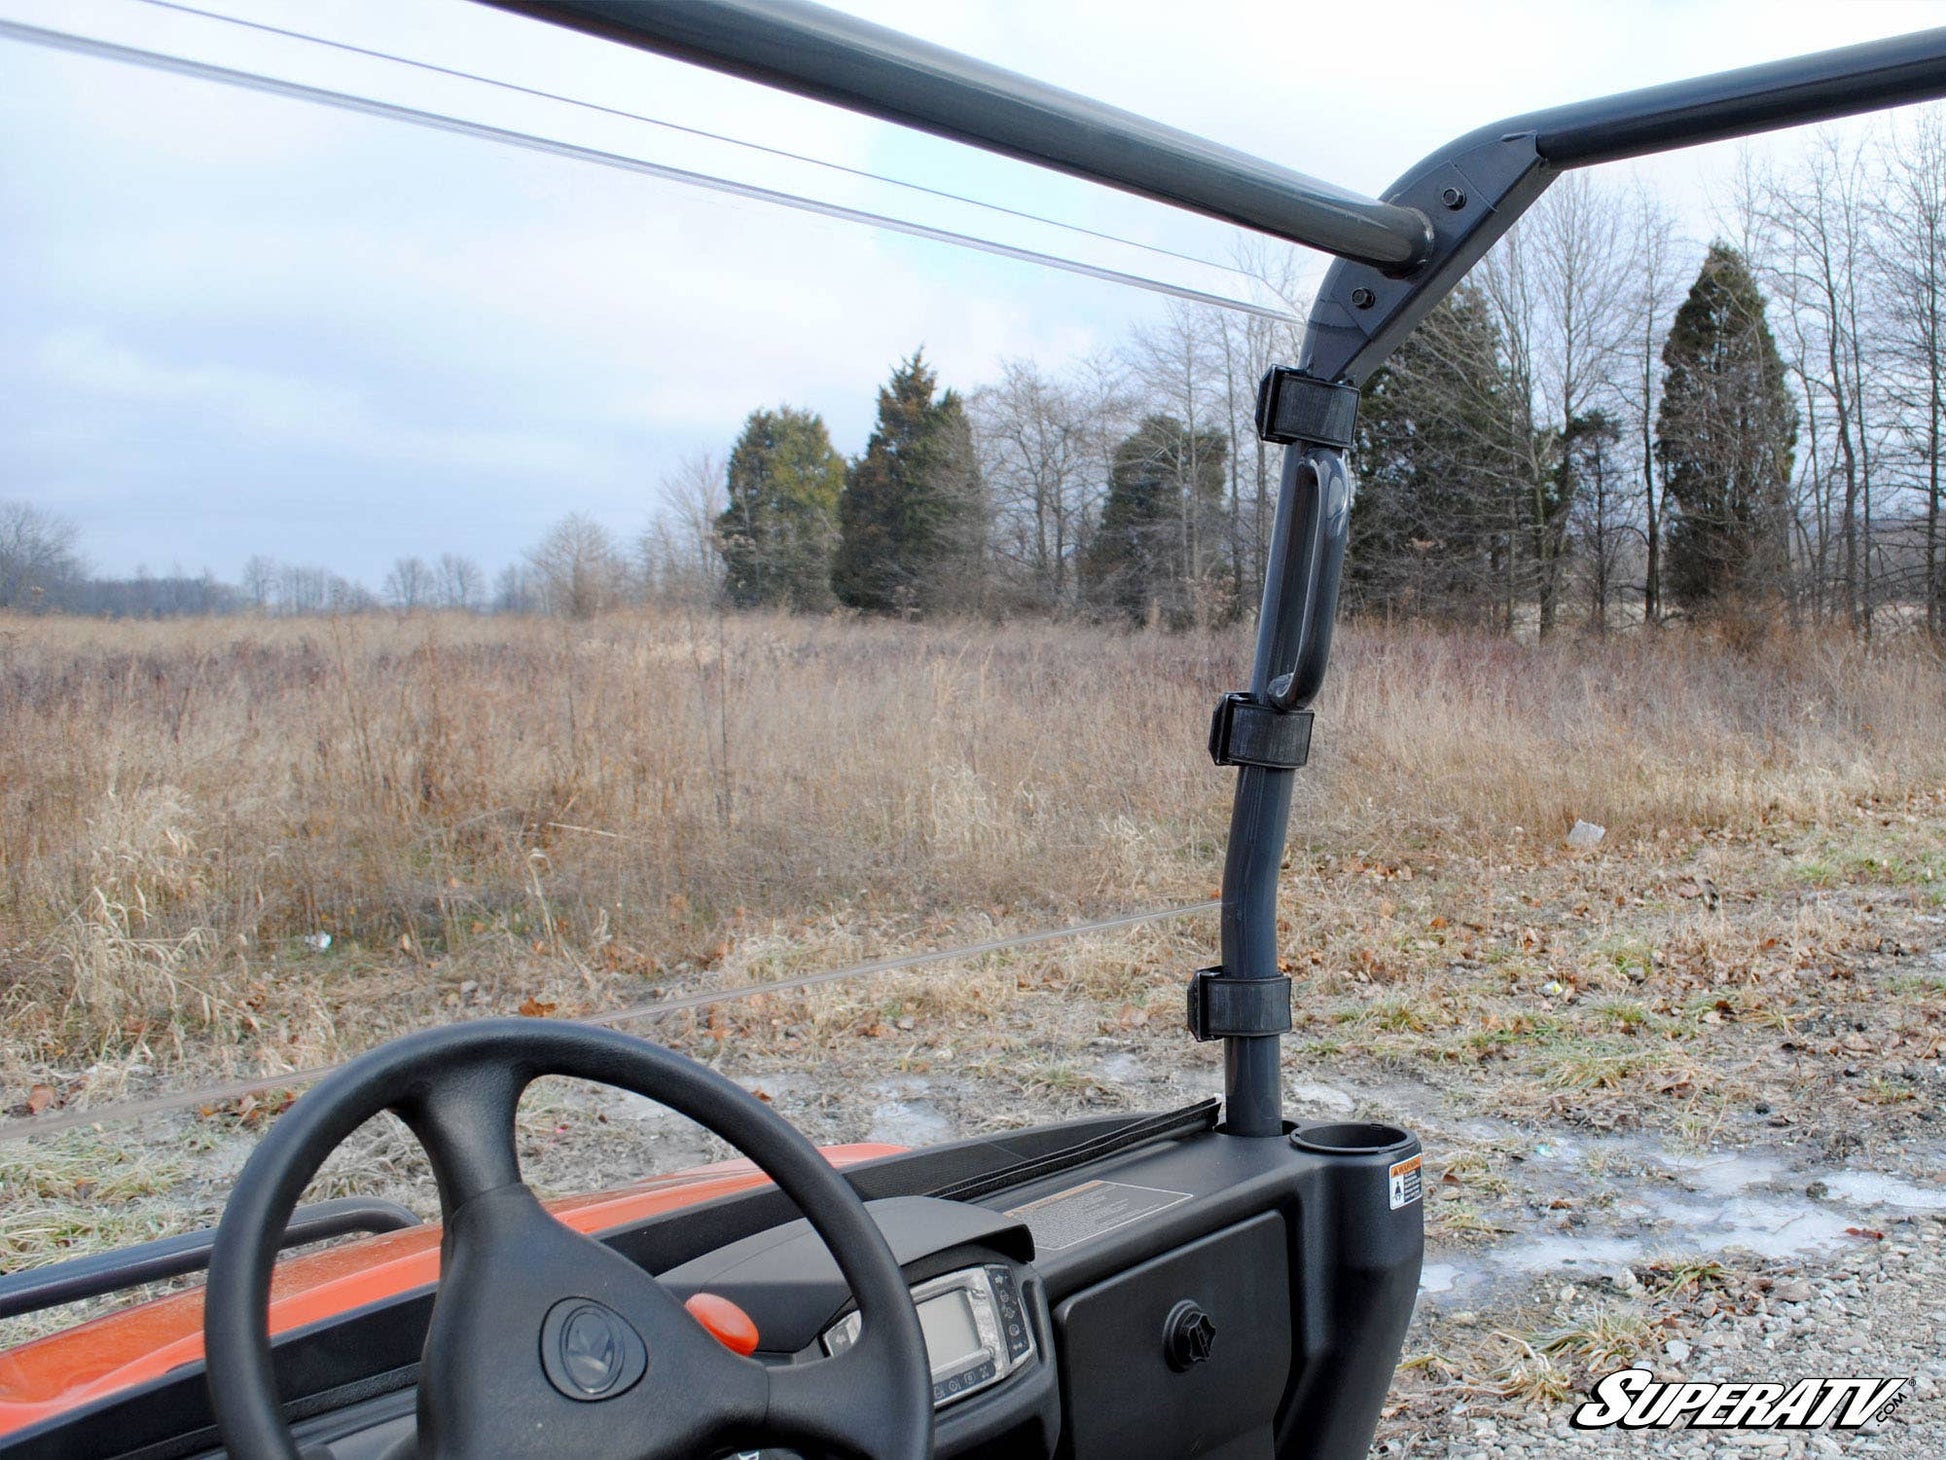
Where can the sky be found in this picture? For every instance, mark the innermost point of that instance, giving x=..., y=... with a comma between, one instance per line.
x=236, y=323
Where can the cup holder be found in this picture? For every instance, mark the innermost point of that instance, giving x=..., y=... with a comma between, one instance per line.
x=1351, y=1138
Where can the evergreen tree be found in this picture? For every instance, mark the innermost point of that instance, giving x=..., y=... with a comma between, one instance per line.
x=1434, y=526
x=1590, y=462
x=1725, y=436
x=777, y=534
x=1154, y=552
x=912, y=517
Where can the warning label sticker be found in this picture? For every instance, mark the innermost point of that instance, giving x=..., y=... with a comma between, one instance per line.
x=1082, y=1213
x=1405, y=1181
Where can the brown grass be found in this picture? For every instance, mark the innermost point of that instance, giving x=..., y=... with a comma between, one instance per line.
x=483, y=812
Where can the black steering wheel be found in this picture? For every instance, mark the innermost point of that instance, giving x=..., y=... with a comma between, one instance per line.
x=545, y=1342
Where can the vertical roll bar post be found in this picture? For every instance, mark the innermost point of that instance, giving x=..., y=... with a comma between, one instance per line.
x=1307, y=550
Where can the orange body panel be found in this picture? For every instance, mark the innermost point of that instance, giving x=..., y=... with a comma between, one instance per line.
x=53, y=1375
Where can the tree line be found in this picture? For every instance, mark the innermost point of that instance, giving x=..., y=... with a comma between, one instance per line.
x=1605, y=426
x=1088, y=490
x=577, y=569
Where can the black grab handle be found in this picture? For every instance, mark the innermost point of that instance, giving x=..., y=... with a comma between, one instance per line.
x=149, y=1262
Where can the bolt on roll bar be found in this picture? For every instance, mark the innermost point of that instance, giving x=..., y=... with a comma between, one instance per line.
x=1397, y=257
x=1476, y=186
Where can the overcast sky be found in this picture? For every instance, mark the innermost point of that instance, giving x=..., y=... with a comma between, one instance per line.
x=234, y=323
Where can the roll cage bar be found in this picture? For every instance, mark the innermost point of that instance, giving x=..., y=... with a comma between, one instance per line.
x=1397, y=257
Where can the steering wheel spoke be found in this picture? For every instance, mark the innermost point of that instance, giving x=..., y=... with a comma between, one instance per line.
x=825, y=1406
x=623, y=1371
x=463, y=1114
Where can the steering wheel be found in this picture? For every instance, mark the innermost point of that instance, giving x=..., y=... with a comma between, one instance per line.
x=544, y=1342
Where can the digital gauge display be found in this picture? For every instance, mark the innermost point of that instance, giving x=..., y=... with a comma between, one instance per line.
x=952, y=1337
x=976, y=1330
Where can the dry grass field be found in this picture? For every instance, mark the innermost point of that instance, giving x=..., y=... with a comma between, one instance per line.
x=502, y=816
x=568, y=813
x=541, y=811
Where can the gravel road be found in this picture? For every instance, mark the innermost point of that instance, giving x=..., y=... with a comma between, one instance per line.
x=1876, y=1310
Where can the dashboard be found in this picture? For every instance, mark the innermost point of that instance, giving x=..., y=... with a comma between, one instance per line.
x=1119, y=1288
x=982, y=1309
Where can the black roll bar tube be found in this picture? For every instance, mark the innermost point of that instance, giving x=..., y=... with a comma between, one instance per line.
x=1476, y=186
x=1397, y=257
x=825, y=54
x=1475, y=189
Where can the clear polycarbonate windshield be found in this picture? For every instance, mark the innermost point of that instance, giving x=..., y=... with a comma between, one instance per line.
x=495, y=523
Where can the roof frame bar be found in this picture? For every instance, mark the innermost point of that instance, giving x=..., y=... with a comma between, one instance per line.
x=833, y=57
x=1477, y=186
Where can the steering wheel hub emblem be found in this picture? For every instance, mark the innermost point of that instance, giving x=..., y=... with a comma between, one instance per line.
x=589, y=1351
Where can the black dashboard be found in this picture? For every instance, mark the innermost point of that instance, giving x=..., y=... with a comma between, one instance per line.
x=1124, y=1288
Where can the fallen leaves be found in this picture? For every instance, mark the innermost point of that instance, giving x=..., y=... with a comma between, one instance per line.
x=250, y=1110
x=1700, y=889
x=43, y=1097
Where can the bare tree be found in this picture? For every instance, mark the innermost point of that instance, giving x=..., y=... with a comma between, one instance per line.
x=1177, y=362
x=410, y=585
x=1560, y=284
x=1253, y=343
x=577, y=568
x=307, y=589
x=681, y=558
x=1658, y=289
x=302, y=589
x=1815, y=220
x=1908, y=258
x=260, y=581
x=515, y=590
x=347, y=595
x=1044, y=443
x=461, y=584
x=37, y=556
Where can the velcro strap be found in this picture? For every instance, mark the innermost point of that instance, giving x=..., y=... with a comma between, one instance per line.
x=1292, y=406
x=1222, y=1007
x=1243, y=732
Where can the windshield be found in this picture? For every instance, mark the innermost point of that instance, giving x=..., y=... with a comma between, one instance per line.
x=445, y=575
x=495, y=524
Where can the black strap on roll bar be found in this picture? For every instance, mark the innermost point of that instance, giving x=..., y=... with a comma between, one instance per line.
x=1222, y=1007
x=152, y=1262
x=1243, y=732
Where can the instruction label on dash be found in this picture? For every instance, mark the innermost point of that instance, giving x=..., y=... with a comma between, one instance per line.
x=1082, y=1213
